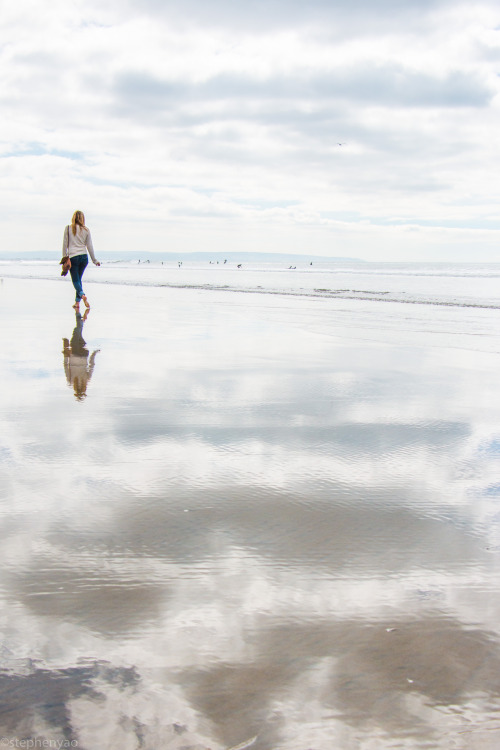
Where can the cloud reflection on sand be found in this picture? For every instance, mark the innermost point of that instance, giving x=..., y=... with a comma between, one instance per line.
x=229, y=543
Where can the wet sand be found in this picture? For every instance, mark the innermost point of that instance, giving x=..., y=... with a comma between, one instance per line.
x=231, y=519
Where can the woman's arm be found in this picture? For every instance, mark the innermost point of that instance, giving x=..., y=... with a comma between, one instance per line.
x=90, y=248
x=65, y=249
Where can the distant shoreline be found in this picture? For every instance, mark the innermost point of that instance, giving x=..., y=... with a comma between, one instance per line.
x=231, y=257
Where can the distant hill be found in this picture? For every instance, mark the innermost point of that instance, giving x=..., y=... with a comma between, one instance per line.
x=231, y=257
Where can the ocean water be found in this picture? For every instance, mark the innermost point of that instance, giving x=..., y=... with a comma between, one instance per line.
x=267, y=514
x=458, y=285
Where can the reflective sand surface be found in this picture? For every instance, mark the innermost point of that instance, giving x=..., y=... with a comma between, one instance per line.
x=230, y=519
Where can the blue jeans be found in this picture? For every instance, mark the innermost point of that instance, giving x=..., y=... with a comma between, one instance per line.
x=78, y=266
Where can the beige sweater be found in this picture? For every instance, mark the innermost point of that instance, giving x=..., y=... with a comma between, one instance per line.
x=79, y=243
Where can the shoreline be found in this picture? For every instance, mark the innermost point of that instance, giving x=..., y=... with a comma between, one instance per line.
x=297, y=285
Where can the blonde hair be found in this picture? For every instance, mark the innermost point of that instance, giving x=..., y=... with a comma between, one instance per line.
x=80, y=388
x=78, y=219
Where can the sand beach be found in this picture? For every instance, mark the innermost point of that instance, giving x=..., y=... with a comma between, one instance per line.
x=255, y=520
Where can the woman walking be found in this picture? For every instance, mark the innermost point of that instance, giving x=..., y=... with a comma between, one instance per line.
x=76, y=242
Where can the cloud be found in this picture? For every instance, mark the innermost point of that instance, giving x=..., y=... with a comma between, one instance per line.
x=358, y=17
x=391, y=85
x=137, y=110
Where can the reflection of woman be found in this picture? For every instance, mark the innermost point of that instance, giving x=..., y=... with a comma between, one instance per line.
x=76, y=242
x=77, y=365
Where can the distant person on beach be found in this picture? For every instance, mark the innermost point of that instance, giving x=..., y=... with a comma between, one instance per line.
x=76, y=242
x=77, y=364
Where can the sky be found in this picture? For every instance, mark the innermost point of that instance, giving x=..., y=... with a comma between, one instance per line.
x=366, y=129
